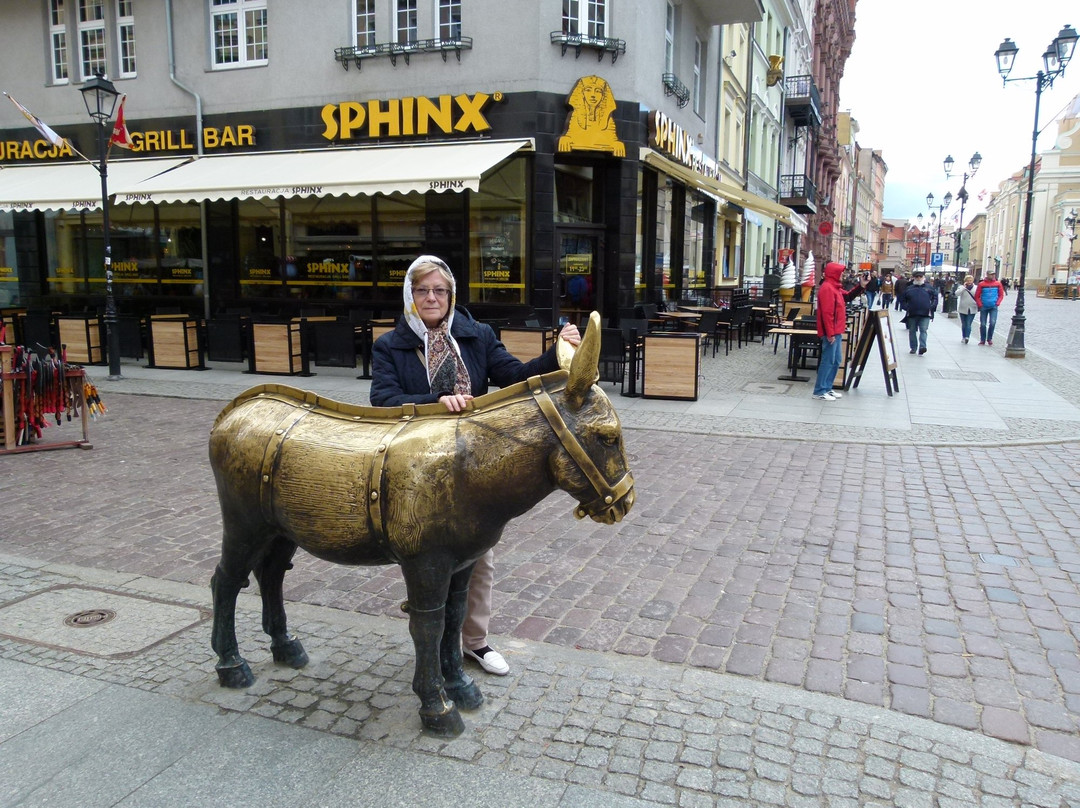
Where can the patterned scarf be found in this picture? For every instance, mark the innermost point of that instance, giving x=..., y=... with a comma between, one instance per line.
x=446, y=370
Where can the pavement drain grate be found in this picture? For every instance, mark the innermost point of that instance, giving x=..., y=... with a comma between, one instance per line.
x=963, y=376
x=95, y=622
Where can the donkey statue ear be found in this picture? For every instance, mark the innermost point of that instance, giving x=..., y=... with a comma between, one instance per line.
x=583, y=368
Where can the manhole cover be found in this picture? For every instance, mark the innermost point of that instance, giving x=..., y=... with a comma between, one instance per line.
x=90, y=617
x=765, y=387
x=95, y=622
x=963, y=375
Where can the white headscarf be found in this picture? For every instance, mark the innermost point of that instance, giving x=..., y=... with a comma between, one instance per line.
x=412, y=315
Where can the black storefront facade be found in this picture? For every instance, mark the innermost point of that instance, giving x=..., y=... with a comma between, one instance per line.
x=291, y=211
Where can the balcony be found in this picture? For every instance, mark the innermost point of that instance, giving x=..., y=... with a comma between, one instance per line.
x=601, y=45
x=672, y=86
x=797, y=191
x=803, y=103
x=356, y=54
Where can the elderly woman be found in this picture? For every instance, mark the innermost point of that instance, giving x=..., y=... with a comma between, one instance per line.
x=437, y=353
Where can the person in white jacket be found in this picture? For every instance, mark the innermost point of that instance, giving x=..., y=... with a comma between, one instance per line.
x=966, y=306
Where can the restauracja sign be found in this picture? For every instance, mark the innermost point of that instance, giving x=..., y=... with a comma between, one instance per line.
x=399, y=117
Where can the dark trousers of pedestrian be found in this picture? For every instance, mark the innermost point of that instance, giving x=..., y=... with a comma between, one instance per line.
x=965, y=325
x=886, y=300
x=987, y=321
x=916, y=335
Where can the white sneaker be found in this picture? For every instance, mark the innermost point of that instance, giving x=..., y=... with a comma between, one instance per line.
x=489, y=660
x=826, y=396
x=836, y=394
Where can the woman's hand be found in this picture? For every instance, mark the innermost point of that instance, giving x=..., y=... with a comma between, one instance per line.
x=571, y=334
x=455, y=402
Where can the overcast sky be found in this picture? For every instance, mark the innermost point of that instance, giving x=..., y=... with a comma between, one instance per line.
x=922, y=82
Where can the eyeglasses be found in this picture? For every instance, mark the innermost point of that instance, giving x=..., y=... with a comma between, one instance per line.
x=423, y=291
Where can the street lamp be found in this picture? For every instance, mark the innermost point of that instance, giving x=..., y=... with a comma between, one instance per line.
x=938, y=217
x=100, y=96
x=1069, y=222
x=920, y=238
x=962, y=195
x=1055, y=59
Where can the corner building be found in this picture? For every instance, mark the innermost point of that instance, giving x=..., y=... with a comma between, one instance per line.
x=297, y=156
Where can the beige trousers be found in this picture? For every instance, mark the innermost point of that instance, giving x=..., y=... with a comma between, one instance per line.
x=478, y=612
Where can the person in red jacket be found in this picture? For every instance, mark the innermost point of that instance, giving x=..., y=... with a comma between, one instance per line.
x=831, y=324
x=989, y=295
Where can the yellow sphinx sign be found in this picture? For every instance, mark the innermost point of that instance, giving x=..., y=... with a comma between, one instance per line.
x=590, y=125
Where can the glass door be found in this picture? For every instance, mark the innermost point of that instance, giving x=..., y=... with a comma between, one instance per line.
x=579, y=273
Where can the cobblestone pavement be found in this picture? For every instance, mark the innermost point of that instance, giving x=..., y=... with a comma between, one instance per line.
x=893, y=621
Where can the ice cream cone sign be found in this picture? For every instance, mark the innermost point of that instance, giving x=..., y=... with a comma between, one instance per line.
x=788, y=280
x=808, y=277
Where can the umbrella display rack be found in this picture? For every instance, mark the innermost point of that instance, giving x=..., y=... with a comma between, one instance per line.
x=16, y=435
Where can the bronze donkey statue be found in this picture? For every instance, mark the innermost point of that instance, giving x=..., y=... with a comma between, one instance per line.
x=415, y=486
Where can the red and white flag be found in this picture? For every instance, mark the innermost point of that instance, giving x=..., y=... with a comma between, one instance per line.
x=39, y=124
x=120, y=135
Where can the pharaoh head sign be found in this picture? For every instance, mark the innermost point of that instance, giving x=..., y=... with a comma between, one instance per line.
x=589, y=124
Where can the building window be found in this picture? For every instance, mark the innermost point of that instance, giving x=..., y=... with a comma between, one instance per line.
x=239, y=33
x=92, y=37
x=450, y=20
x=669, y=39
x=587, y=17
x=405, y=22
x=58, y=41
x=125, y=36
x=365, y=23
x=698, y=57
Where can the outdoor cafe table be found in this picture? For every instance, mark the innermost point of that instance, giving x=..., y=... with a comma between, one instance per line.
x=798, y=340
x=683, y=319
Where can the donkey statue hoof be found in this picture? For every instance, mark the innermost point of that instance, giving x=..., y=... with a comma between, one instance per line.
x=466, y=696
x=444, y=725
x=290, y=653
x=235, y=675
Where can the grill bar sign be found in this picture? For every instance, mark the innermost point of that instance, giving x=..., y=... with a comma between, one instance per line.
x=671, y=139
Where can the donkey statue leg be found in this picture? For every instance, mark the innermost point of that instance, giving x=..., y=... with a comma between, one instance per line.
x=232, y=669
x=270, y=574
x=427, y=587
x=459, y=686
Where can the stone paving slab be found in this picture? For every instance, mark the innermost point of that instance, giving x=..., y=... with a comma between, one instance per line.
x=567, y=727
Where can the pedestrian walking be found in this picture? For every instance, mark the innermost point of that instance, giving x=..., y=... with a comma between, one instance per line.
x=873, y=287
x=831, y=323
x=900, y=285
x=920, y=302
x=989, y=295
x=888, y=289
x=966, y=306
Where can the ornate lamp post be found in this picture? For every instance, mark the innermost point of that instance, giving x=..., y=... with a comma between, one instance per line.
x=962, y=195
x=939, y=215
x=1055, y=59
x=100, y=96
x=1070, y=222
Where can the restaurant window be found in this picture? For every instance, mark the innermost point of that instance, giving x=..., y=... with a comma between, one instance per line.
x=450, y=20
x=695, y=221
x=497, y=265
x=576, y=200
x=125, y=36
x=365, y=23
x=9, y=270
x=664, y=192
x=92, y=37
x=329, y=253
x=405, y=30
x=58, y=41
x=238, y=33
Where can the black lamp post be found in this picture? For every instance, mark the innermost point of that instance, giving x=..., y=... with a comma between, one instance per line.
x=1055, y=59
x=962, y=195
x=920, y=238
x=100, y=96
x=1069, y=222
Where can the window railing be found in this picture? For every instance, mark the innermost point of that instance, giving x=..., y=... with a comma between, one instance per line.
x=672, y=86
x=602, y=45
x=355, y=54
